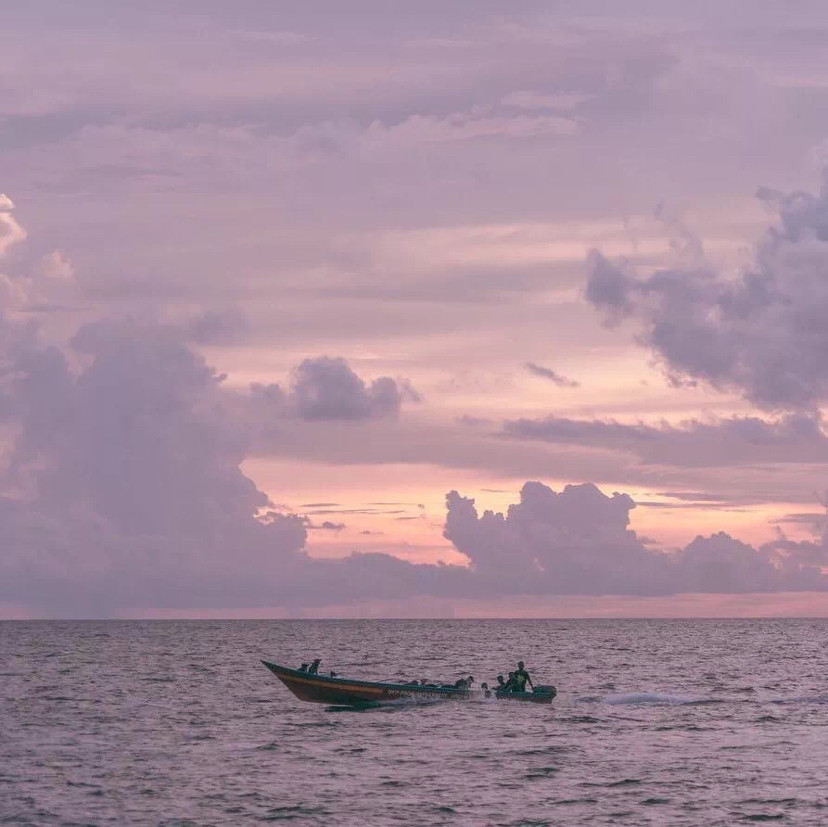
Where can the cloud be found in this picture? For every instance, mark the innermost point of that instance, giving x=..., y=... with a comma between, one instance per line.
x=693, y=443
x=578, y=541
x=465, y=126
x=10, y=230
x=124, y=489
x=226, y=325
x=124, y=481
x=762, y=333
x=327, y=525
x=322, y=389
x=326, y=388
x=57, y=266
x=551, y=375
x=122, y=484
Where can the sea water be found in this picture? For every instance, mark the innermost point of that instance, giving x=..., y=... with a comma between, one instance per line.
x=683, y=722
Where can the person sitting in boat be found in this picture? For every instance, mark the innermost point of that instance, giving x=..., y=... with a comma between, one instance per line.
x=501, y=684
x=521, y=678
x=314, y=667
x=303, y=667
x=464, y=683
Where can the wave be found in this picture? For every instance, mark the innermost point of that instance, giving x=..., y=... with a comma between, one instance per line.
x=805, y=699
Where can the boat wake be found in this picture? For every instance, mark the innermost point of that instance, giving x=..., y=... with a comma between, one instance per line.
x=654, y=699
x=662, y=699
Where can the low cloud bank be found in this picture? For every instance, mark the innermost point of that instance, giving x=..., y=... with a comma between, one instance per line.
x=739, y=440
x=578, y=541
x=123, y=488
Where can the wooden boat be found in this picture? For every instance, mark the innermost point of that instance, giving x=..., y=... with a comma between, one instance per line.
x=336, y=691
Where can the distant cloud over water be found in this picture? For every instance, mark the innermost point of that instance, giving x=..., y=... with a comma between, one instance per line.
x=762, y=332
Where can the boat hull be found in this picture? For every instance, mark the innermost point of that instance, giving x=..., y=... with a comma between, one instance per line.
x=347, y=692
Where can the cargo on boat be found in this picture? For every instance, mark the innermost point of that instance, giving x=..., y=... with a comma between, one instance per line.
x=336, y=691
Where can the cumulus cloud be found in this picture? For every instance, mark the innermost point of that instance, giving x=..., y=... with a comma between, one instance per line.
x=10, y=230
x=122, y=483
x=762, y=333
x=124, y=480
x=327, y=389
x=57, y=266
x=578, y=541
x=124, y=489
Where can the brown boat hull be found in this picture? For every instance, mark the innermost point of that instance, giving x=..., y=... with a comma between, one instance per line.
x=346, y=692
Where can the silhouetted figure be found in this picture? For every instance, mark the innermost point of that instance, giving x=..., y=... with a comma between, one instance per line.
x=509, y=686
x=314, y=667
x=303, y=667
x=522, y=678
x=464, y=683
x=501, y=684
x=333, y=674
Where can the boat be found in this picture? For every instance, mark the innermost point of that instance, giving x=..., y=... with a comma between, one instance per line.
x=336, y=691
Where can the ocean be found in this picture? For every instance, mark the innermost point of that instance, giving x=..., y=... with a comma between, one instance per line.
x=663, y=722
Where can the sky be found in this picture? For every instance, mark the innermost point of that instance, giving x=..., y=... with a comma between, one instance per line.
x=434, y=309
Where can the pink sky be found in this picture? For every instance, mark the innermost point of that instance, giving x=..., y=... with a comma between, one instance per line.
x=274, y=282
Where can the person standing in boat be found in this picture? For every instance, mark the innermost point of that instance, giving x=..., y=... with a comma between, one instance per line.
x=522, y=678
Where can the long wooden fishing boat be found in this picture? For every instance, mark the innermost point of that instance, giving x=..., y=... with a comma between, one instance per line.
x=336, y=691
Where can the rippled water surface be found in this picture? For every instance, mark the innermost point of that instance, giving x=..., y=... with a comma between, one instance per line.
x=657, y=722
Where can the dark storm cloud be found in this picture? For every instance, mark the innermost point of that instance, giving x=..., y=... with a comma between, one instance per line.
x=551, y=375
x=762, y=333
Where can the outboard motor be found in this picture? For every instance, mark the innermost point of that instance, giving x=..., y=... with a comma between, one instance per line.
x=546, y=689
